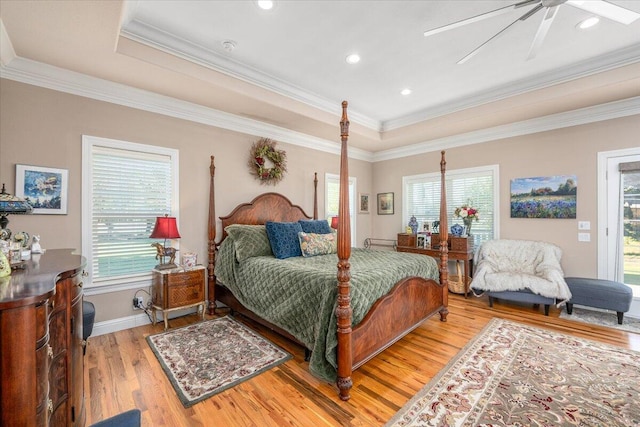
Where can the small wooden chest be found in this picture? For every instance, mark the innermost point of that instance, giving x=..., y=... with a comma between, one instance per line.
x=405, y=239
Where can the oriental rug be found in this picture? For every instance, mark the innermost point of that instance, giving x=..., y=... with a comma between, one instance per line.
x=518, y=375
x=206, y=358
x=606, y=318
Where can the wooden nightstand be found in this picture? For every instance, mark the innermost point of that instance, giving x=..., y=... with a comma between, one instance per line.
x=177, y=289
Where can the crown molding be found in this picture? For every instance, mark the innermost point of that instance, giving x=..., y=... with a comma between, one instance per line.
x=7, y=54
x=611, y=110
x=164, y=41
x=619, y=58
x=151, y=36
x=50, y=77
x=59, y=79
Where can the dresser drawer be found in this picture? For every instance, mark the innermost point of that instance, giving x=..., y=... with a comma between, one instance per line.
x=42, y=377
x=42, y=323
x=406, y=239
x=75, y=287
x=189, y=292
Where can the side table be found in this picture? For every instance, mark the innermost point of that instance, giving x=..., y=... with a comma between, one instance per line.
x=466, y=256
x=177, y=289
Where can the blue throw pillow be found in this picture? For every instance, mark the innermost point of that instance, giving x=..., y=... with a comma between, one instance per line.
x=283, y=238
x=316, y=226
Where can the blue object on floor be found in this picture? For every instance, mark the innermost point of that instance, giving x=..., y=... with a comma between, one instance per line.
x=525, y=296
x=131, y=418
x=88, y=317
x=600, y=293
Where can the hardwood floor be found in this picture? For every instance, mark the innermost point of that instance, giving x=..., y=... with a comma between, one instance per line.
x=121, y=373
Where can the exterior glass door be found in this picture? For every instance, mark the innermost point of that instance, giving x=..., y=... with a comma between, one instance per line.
x=630, y=258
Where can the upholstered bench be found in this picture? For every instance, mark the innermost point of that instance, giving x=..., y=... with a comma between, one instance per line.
x=599, y=293
x=525, y=296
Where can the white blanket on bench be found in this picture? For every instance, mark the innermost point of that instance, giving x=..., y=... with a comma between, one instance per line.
x=514, y=265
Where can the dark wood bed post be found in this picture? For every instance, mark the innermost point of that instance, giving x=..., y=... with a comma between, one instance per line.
x=315, y=195
x=444, y=241
x=212, y=241
x=344, y=311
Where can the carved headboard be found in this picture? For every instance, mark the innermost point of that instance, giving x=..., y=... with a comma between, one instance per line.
x=265, y=207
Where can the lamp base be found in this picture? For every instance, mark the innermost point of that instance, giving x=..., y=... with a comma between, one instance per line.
x=166, y=266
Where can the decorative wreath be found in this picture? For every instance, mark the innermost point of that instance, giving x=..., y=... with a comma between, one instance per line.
x=267, y=163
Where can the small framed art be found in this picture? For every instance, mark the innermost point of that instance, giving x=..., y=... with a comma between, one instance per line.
x=363, y=207
x=45, y=189
x=385, y=203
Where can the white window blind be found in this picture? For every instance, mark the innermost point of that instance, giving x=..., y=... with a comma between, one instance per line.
x=332, y=199
x=476, y=187
x=127, y=186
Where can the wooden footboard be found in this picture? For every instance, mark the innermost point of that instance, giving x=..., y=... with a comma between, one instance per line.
x=395, y=315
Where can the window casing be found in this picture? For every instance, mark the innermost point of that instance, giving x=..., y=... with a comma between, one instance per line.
x=332, y=199
x=125, y=186
x=477, y=187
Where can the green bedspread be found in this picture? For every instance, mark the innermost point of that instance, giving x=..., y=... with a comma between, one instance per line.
x=299, y=294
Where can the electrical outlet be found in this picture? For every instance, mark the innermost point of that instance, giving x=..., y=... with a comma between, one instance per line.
x=138, y=303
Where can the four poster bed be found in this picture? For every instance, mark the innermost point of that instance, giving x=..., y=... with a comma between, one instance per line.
x=344, y=320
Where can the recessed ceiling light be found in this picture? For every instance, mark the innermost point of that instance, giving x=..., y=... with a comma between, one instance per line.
x=354, y=58
x=588, y=23
x=265, y=4
x=229, y=45
x=405, y=92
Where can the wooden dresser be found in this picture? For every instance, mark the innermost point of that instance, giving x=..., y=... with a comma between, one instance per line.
x=41, y=363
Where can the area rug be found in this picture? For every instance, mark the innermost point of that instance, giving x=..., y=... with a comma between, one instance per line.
x=602, y=318
x=206, y=358
x=518, y=375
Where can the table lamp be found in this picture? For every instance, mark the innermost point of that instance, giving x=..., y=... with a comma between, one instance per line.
x=334, y=222
x=10, y=205
x=165, y=228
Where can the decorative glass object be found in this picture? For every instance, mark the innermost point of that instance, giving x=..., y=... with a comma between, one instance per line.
x=413, y=223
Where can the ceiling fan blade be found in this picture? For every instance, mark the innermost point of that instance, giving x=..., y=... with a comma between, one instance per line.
x=547, y=20
x=606, y=10
x=522, y=18
x=481, y=17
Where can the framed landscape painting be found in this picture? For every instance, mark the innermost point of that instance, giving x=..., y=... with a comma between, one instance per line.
x=544, y=197
x=45, y=189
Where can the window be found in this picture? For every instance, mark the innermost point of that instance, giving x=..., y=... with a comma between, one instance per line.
x=476, y=186
x=332, y=196
x=125, y=186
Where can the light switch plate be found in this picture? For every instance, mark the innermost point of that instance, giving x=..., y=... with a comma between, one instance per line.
x=584, y=225
x=584, y=237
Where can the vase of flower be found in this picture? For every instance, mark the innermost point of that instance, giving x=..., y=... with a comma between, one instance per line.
x=468, y=215
x=467, y=223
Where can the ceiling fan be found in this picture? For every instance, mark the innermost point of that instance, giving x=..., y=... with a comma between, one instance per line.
x=550, y=7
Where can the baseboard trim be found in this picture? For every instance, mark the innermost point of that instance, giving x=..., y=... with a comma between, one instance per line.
x=128, y=322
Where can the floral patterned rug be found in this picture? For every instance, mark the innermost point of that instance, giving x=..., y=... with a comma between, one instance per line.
x=209, y=357
x=518, y=375
x=606, y=318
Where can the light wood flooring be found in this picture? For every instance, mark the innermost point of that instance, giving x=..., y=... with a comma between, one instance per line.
x=121, y=373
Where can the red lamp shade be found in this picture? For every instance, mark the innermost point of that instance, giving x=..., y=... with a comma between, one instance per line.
x=334, y=222
x=165, y=228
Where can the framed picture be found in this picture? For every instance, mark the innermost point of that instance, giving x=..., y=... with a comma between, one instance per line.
x=44, y=188
x=363, y=207
x=385, y=203
x=544, y=197
x=421, y=240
